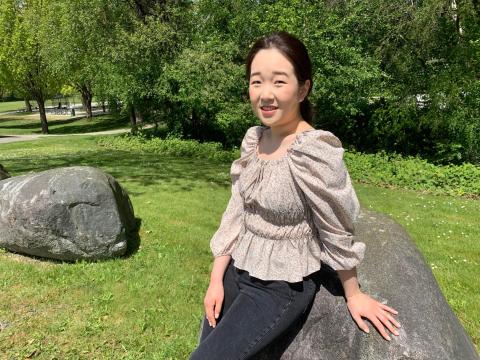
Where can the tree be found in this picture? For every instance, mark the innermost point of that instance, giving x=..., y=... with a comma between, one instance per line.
x=23, y=65
x=144, y=37
x=74, y=38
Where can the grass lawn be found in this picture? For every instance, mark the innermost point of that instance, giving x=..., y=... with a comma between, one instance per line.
x=14, y=105
x=58, y=124
x=149, y=305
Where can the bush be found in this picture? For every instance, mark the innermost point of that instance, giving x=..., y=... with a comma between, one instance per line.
x=384, y=169
x=170, y=146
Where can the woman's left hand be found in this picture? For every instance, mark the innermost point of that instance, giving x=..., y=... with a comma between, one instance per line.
x=361, y=305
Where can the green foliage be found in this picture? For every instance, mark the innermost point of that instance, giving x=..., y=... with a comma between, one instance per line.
x=394, y=170
x=428, y=51
x=398, y=76
x=203, y=84
x=140, y=43
x=22, y=64
x=170, y=147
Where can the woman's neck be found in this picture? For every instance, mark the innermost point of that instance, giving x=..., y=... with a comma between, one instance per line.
x=281, y=131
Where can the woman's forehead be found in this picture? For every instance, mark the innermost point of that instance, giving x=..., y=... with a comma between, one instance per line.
x=271, y=62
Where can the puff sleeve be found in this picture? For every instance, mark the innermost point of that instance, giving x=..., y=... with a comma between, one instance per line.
x=232, y=221
x=321, y=175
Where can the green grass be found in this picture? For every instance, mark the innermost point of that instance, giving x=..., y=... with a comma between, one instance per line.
x=30, y=124
x=16, y=105
x=13, y=105
x=149, y=305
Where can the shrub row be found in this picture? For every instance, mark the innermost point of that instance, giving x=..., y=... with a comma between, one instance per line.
x=170, y=146
x=381, y=169
x=394, y=170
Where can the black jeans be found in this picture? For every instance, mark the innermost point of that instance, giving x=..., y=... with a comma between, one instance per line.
x=253, y=314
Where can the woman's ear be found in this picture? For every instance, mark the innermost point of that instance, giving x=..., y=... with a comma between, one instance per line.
x=304, y=90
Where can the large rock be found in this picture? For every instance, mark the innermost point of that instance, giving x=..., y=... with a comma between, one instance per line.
x=393, y=269
x=65, y=213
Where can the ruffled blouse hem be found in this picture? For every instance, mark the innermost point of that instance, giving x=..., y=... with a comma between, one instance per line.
x=289, y=259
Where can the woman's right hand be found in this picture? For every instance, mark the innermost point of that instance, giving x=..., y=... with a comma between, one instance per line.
x=213, y=301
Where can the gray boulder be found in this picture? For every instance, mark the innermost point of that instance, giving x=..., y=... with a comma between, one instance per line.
x=65, y=213
x=3, y=173
x=393, y=270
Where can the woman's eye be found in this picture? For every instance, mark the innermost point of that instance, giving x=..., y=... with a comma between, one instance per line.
x=255, y=82
x=281, y=82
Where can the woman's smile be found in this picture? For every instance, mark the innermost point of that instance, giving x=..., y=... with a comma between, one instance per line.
x=268, y=111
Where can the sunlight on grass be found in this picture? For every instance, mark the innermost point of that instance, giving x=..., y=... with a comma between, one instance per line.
x=59, y=124
x=13, y=105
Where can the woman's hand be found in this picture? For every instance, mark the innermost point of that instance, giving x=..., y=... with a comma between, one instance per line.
x=213, y=301
x=361, y=305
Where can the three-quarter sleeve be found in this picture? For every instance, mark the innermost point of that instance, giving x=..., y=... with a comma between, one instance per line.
x=232, y=221
x=321, y=175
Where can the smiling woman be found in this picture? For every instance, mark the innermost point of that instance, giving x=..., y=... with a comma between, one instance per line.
x=292, y=210
x=275, y=94
x=291, y=67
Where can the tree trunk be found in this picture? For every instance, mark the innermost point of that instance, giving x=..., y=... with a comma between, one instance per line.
x=28, y=106
x=41, y=108
x=196, y=131
x=86, y=92
x=139, y=116
x=133, y=118
x=103, y=106
x=456, y=17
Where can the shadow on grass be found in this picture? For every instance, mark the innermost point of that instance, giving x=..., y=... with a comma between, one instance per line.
x=133, y=239
x=62, y=126
x=103, y=123
x=32, y=124
x=181, y=174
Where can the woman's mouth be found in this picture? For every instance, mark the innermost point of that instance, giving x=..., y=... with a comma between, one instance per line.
x=268, y=110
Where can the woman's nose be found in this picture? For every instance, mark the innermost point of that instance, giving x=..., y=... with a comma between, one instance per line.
x=266, y=93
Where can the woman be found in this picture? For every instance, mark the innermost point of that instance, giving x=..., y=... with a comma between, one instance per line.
x=292, y=208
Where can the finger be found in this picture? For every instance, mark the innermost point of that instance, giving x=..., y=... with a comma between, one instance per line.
x=218, y=308
x=389, y=309
x=380, y=328
x=393, y=320
x=209, y=313
x=386, y=321
x=361, y=324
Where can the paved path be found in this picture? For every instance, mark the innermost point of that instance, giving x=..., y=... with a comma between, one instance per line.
x=14, y=138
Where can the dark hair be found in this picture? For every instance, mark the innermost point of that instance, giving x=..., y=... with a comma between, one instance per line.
x=295, y=51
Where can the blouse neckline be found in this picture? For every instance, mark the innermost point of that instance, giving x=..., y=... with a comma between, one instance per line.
x=287, y=153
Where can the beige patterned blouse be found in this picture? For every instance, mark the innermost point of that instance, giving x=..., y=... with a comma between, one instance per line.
x=287, y=215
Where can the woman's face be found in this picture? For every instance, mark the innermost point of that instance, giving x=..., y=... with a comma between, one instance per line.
x=274, y=90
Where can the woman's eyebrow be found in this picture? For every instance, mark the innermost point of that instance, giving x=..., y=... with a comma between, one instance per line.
x=274, y=73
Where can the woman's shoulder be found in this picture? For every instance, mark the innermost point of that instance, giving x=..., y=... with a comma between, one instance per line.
x=249, y=142
x=254, y=132
x=317, y=141
x=251, y=138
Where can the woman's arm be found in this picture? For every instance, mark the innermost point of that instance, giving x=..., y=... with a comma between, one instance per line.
x=214, y=297
x=220, y=264
x=361, y=305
